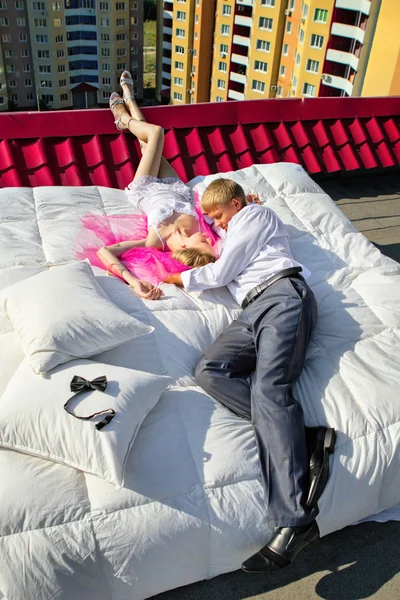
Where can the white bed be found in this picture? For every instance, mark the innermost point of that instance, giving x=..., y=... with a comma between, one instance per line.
x=192, y=506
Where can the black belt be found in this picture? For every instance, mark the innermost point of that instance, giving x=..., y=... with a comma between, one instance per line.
x=259, y=289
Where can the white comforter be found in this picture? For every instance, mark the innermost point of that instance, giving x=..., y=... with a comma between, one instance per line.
x=192, y=506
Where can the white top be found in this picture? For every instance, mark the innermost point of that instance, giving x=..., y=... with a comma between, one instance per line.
x=256, y=249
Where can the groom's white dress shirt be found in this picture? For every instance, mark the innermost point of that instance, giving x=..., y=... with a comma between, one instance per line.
x=256, y=248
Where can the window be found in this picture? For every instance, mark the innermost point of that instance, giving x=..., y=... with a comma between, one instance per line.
x=180, y=33
x=265, y=23
x=6, y=37
x=180, y=15
x=219, y=99
x=178, y=81
x=9, y=53
x=62, y=83
x=105, y=37
x=178, y=96
x=312, y=66
x=179, y=49
x=61, y=68
x=179, y=65
x=1, y=100
x=4, y=21
x=46, y=84
x=196, y=35
x=40, y=22
x=57, y=22
x=105, y=52
x=134, y=35
x=267, y=2
x=56, y=5
x=223, y=49
x=305, y=10
x=260, y=66
x=120, y=22
x=134, y=5
x=221, y=84
x=21, y=22
x=29, y=96
x=43, y=54
x=105, y=94
x=39, y=5
x=320, y=15
x=258, y=86
x=294, y=85
x=282, y=71
x=44, y=69
x=301, y=36
x=19, y=6
x=280, y=90
x=26, y=68
x=103, y=5
x=106, y=67
x=134, y=21
x=225, y=29
x=122, y=66
x=3, y=6
x=298, y=59
x=121, y=52
x=291, y=4
x=14, y=97
x=120, y=5
x=12, y=83
x=317, y=41
x=134, y=50
x=59, y=39
x=121, y=37
x=226, y=9
x=308, y=89
x=10, y=69
x=285, y=50
x=60, y=53
x=263, y=45
x=289, y=27
x=222, y=66
x=196, y=20
x=63, y=97
x=23, y=37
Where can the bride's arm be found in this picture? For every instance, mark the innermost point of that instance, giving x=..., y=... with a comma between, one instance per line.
x=108, y=256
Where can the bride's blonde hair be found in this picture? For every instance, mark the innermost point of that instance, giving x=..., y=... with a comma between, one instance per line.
x=192, y=257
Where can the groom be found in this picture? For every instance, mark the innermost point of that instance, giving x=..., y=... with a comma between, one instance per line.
x=269, y=341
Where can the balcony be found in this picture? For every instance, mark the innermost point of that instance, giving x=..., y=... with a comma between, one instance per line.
x=167, y=30
x=238, y=77
x=348, y=31
x=243, y=21
x=363, y=6
x=339, y=83
x=166, y=75
x=344, y=58
x=239, y=59
x=233, y=95
x=167, y=45
x=241, y=40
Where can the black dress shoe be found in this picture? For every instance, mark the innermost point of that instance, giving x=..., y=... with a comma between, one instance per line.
x=321, y=443
x=282, y=548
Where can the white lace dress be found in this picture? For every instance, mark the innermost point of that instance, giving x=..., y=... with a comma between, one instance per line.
x=159, y=198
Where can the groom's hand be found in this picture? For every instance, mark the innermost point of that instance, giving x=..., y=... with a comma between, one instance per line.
x=174, y=278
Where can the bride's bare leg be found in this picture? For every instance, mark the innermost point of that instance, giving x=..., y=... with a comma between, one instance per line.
x=166, y=170
x=152, y=135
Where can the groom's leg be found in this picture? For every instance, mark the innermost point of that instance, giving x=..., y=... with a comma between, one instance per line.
x=224, y=371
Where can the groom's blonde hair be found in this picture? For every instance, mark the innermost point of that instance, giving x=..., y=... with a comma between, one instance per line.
x=222, y=191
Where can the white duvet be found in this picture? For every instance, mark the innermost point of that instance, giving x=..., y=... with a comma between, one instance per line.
x=192, y=506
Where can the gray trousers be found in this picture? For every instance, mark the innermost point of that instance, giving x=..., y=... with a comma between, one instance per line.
x=251, y=369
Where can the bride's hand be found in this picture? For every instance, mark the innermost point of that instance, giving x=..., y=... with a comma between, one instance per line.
x=145, y=290
x=253, y=199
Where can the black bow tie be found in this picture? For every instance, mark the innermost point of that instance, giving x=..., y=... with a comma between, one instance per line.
x=80, y=384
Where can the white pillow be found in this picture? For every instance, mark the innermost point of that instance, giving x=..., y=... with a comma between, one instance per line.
x=63, y=313
x=33, y=419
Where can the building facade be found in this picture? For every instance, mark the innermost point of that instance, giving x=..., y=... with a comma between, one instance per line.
x=67, y=54
x=216, y=50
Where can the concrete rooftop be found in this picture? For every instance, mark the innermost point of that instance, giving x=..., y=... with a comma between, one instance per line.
x=361, y=561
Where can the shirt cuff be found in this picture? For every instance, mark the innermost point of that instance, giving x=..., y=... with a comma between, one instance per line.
x=185, y=275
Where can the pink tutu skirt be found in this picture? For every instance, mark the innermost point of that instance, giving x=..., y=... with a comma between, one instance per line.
x=147, y=264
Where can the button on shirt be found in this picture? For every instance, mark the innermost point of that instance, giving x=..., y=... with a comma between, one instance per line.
x=256, y=248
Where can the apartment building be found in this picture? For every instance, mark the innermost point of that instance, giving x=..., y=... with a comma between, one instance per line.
x=67, y=54
x=221, y=50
